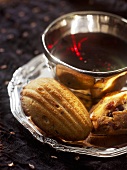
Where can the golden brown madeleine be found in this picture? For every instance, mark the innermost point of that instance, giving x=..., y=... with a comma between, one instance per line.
x=73, y=79
x=109, y=115
x=55, y=109
x=109, y=84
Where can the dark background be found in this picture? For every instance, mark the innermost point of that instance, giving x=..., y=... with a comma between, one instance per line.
x=21, y=26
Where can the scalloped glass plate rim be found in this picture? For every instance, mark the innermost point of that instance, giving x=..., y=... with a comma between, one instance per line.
x=38, y=67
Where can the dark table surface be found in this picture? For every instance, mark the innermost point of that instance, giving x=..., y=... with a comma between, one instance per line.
x=21, y=26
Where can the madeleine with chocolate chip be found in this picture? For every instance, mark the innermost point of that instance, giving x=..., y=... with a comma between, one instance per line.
x=109, y=115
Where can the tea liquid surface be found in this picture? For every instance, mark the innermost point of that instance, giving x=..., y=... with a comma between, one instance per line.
x=92, y=51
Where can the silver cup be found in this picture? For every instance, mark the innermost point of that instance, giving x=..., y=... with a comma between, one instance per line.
x=86, y=22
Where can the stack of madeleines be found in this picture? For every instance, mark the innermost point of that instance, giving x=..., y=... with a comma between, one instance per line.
x=76, y=107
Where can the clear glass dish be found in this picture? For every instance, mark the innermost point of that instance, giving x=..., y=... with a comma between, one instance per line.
x=38, y=67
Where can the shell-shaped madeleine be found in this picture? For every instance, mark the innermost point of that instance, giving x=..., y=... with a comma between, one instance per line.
x=55, y=109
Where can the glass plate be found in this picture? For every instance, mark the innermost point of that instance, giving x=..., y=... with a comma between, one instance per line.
x=38, y=67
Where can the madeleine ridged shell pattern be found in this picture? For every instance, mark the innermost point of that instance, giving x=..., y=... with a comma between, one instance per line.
x=55, y=109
